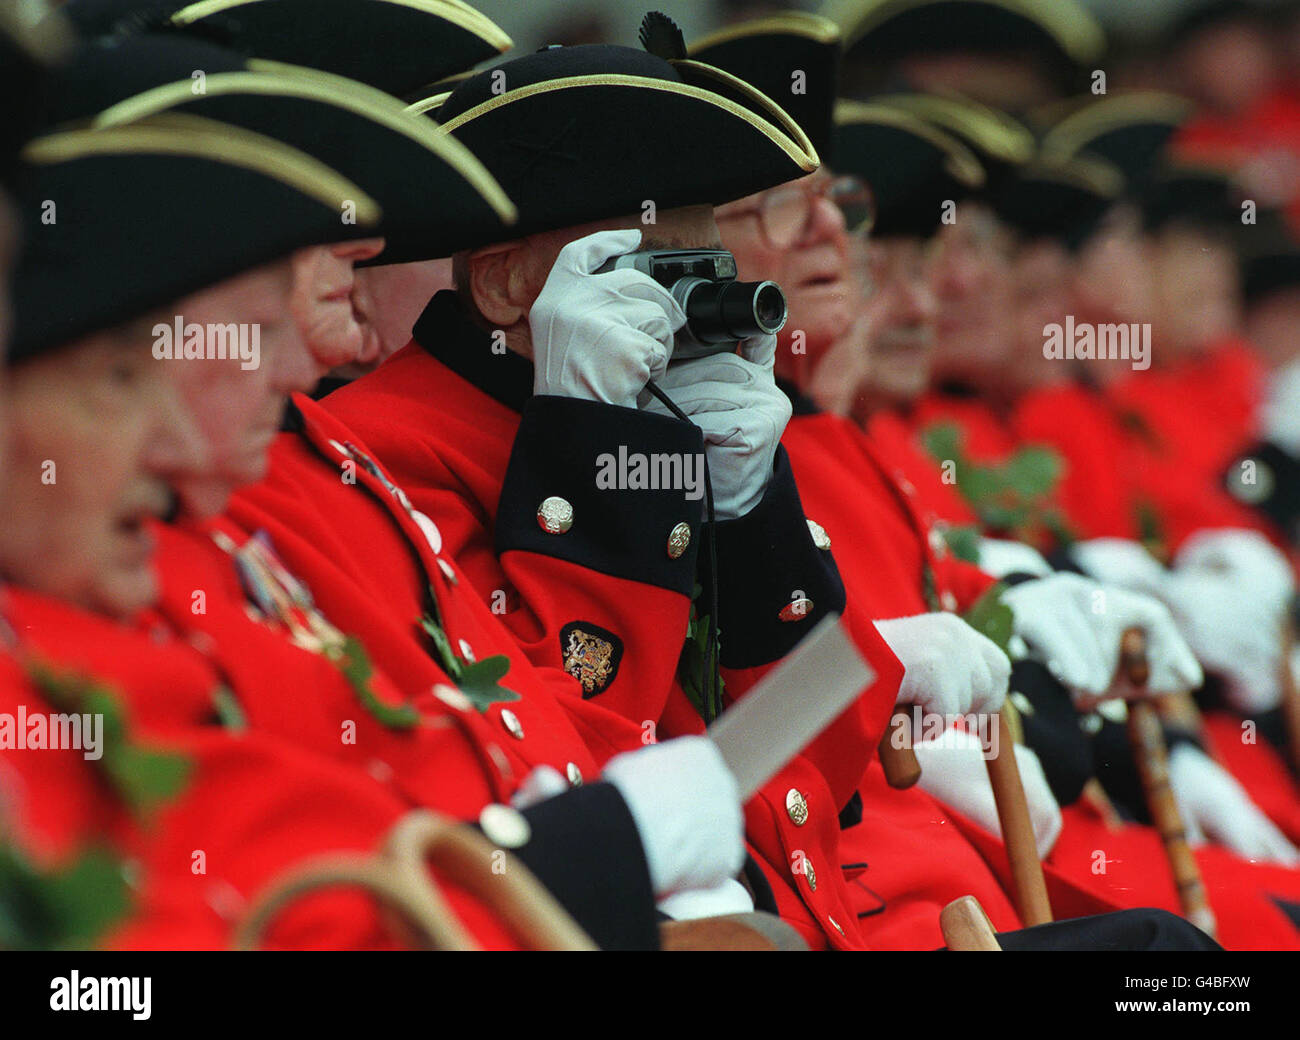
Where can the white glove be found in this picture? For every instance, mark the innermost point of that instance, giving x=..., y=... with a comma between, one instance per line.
x=1234, y=634
x=948, y=667
x=1215, y=805
x=1247, y=557
x=729, y=896
x=734, y=400
x=687, y=811
x=953, y=770
x=601, y=337
x=1075, y=625
x=1121, y=562
x=1279, y=418
x=1000, y=557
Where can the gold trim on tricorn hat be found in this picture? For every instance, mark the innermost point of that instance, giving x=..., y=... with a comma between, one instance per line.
x=960, y=162
x=281, y=80
x=457, y=13
x=993, y=132
x=1076, y=131
x=196, y=137
x=787, y=136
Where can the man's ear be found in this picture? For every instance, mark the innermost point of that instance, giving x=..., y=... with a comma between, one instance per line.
x=497, y=283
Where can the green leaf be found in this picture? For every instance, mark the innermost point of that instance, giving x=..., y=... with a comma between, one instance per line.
x=354, y=663
x=450, y=662
x=1033, y=472
x=992, y=618
x=481, y=682
x=61, y=909
x=943, y=442
x=146, y=778
x=142, y=777
x=964, y=542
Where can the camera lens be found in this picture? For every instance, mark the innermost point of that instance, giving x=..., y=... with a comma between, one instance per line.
x=722, y=312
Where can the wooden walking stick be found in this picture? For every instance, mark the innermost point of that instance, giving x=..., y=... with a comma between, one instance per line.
x=399, y=879
x=966, y=927
x=1028, y=887
x=897, y=758
x=1152, y=757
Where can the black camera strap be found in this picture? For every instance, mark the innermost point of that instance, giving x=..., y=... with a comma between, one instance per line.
x=713, y=662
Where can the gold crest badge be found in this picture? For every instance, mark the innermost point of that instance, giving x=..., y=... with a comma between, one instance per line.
x=591, y=659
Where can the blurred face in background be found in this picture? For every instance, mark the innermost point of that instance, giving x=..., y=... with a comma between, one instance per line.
x=388, y=300
x=1113, y=281
x=1041, y=272
x=324, y=288
x=1227, y=67
x=901, y=344
x=1273, y=326
x=796, y=236
x=1196, y=290
x=98, y=435
x=238, y=410
x=973, y=284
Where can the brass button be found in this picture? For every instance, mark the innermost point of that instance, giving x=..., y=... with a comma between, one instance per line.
x=938, y=543
x=511, y=722
x=679, y=538
x=819, y=536
x=796, y=806
x=555, y=515
x=810, y=874
x=505, y=827
x=574, y=774
x=452, y=697
x=948, y=601
x=796, y=610
x=429, y=529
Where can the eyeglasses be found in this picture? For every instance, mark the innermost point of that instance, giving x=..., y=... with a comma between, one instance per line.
x=786, y=213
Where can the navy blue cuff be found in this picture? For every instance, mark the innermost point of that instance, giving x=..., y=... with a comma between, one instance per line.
x=774, y=583
x=585, y=848
x=609, y=466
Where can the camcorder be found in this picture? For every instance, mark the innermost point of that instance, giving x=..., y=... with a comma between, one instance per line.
x=720, y=311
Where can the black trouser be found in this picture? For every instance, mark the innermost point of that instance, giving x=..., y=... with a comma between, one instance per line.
x=1131, y=930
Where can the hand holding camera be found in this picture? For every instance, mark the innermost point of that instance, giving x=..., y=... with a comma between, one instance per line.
x=601, y=338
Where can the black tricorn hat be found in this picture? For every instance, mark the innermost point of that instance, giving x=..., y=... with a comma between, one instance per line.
x=394, y=45
x=1199, y=195
x=1000, y=142
x=1059, y=198
x=581, y=134
x=123, y=220
x=1270, y=256
x=913, y=168
x=793, y=58
x=437, y=198
x=1062, y=34
x=1129, y=129
x=27, y=52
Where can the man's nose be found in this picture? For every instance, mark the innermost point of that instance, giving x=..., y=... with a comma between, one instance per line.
x=826, y=223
